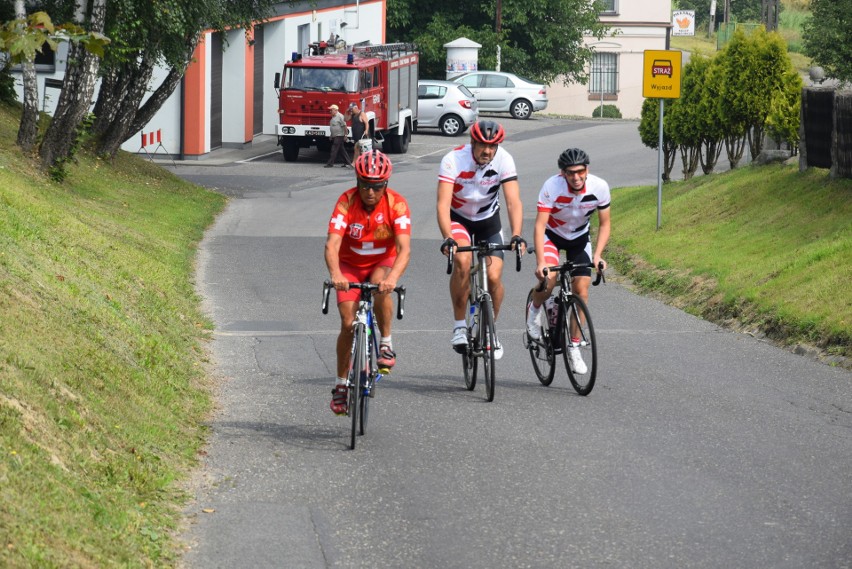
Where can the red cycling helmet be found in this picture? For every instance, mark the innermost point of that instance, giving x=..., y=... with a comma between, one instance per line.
x=373, y=166
x=487, y=132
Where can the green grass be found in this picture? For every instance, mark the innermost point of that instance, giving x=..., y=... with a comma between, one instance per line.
x=764, y=247
x=102, y=380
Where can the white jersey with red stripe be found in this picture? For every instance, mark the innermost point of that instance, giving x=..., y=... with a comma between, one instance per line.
x=571, y=212
x=476, y=188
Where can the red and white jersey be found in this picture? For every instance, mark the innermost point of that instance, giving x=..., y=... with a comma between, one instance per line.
x=570, y=212
x=369, y=237
x=476, y=189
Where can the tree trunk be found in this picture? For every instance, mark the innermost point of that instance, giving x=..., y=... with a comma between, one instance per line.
x=734, y=146
x=134, y=84
x=669, y=157
x=112, y=89
x=60, y=139
x=709, y=154
x=132, y=119
x=28, y=129
x=689, y=158
x=755, y=141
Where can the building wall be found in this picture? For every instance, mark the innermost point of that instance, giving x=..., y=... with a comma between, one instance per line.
x=639, y=25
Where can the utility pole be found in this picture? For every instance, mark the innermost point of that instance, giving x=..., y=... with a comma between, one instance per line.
x=498, y=27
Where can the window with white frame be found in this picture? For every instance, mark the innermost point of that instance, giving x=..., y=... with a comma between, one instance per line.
x=603, y=78
x=609, y=6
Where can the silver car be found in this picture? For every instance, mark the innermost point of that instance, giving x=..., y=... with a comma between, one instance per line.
x=445, y=105
x=505, y=92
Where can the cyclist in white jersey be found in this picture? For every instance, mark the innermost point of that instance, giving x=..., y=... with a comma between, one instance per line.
x=566, y=203
x=469, y=182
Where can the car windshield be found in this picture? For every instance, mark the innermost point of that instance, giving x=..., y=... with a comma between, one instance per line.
x=321, y=79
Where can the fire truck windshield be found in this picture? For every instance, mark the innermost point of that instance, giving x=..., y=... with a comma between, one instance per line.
x=321, y=79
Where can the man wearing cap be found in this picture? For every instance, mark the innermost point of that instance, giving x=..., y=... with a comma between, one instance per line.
x=338, y=134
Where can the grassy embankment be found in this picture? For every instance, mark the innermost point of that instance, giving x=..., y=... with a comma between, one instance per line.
x=102, y=380
x=764, y=248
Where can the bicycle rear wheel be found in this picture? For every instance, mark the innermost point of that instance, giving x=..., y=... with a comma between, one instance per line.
x=487, y=341
x=356, y=367
x=579, y=334
x=541, y=351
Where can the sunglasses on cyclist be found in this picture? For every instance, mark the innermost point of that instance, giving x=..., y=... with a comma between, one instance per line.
x=375, y=188
x=570, y=173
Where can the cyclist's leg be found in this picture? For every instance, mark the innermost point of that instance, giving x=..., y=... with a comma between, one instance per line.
x=580, y=252
x=383, y=309
x=347, y=302
x=460, y=279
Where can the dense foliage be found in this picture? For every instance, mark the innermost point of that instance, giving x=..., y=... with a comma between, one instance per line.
x=748, y=89
x=828, y=37
x=539, y=39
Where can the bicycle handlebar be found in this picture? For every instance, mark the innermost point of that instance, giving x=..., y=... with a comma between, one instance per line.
x=568, y=266
x=327, y=286
x=482, y=249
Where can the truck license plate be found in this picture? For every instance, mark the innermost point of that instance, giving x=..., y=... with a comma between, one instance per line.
x=314, y=133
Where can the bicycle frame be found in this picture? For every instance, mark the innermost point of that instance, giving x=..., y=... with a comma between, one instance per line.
x=364, y=372
x=481, y=328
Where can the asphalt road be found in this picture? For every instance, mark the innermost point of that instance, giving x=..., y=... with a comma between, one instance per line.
x=699, y=447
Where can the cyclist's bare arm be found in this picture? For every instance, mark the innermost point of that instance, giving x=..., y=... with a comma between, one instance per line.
x=403, y=255
x=514, y=208
x=541, y=219
x=332, y=260
x=604, y=227
x=445, y=198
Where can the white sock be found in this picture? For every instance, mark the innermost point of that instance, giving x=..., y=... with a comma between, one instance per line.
x=340, y=381
x=386, y=341
x=460, y=324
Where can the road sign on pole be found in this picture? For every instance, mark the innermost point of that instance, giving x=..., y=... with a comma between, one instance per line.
x=661, y=80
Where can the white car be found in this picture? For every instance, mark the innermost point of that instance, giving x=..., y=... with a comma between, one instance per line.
x=505, y=92
x=445, y=105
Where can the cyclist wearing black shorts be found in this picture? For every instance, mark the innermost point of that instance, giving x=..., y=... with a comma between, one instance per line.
x=566, y=203
x=469, y=183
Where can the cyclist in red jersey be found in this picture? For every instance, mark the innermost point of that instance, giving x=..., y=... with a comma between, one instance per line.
x=369, y=240
x=469, y=182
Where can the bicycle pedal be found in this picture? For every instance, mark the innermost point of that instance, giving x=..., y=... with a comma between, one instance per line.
x=384, y=371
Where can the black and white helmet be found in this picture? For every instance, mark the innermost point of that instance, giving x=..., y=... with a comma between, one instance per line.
x=573, y=157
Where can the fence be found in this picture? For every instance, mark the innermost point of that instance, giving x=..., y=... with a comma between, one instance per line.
x=826, y=130
x=726, y=32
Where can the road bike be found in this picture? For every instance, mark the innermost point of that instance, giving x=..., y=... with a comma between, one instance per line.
x=364, y=372
x=479, y=316
x=565, y=324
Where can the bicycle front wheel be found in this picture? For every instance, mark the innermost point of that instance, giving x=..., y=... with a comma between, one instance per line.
x=579, y=348
x=356, y=369
x=468, y=359
x=541, y=351
x=364, y=411
x=487, y=343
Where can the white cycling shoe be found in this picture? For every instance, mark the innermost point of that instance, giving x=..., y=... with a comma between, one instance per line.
x=575, y=359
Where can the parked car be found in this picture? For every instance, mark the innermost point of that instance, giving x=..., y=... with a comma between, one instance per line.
x=505, y=92
x=445, y=105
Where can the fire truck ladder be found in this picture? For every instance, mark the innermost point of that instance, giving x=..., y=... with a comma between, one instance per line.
x=386, y=49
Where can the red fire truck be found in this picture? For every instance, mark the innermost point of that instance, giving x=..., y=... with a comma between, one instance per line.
x=382, y=79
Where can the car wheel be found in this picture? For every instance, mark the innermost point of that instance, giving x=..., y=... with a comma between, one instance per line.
x=451, y=125
x=521, y=109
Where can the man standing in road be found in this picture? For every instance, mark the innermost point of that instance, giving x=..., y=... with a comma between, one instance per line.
x=360, y=127
x=338, y=135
